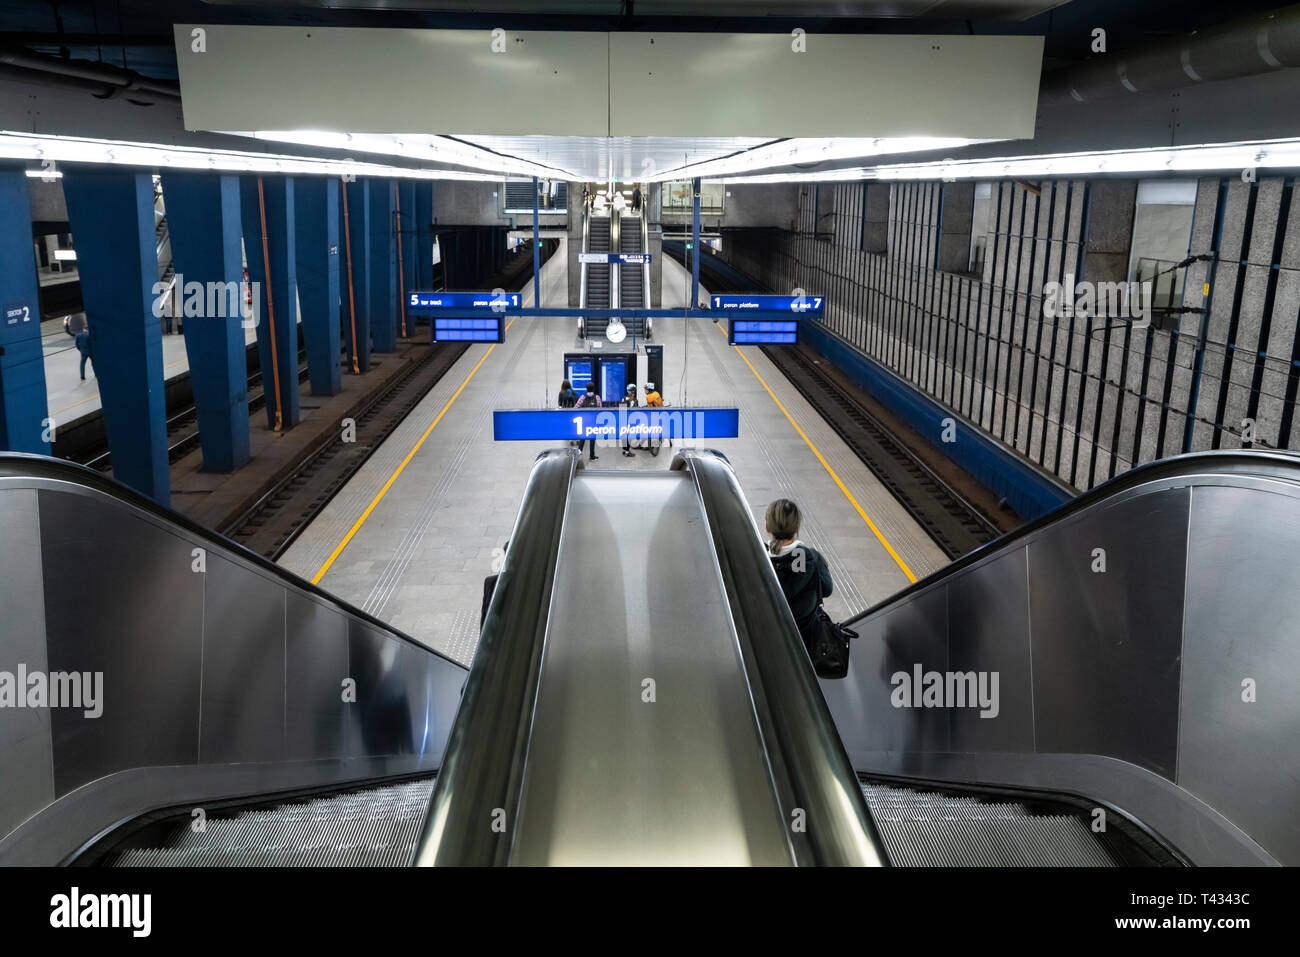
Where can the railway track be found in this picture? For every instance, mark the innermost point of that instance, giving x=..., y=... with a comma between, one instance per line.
x=275, y=520
x=956, y=525
x=183, y=425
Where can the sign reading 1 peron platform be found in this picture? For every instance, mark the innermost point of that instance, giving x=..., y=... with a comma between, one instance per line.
x=809, y=306
x=631, y=259
x=518, y=425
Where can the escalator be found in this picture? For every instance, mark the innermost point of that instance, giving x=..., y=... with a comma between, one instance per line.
x=193, y=678
x=641, y=694
x=631, y=290
x=596, y=276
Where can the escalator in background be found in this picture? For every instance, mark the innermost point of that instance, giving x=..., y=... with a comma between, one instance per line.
x=596, y=282
x=632, y=276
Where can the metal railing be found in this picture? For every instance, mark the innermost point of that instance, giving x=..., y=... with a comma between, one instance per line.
x=488, y=745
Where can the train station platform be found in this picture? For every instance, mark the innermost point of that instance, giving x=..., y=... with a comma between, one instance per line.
x=69, y=398
x=411, y=537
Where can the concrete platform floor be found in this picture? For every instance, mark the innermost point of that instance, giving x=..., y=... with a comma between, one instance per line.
x=68, y=397
x=412, y=536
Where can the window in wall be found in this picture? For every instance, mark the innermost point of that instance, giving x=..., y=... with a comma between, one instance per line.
x=981, y=223
x=677, y=197
x=552, y=196
x=1162, y=234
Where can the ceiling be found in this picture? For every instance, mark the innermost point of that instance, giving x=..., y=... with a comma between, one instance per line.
x=135, y=35
x=598, y=159
x=959, y=9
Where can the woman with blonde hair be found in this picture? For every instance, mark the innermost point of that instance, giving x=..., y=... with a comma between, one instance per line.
x=800, y=568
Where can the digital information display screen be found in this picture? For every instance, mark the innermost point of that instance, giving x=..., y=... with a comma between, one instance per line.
x=810, y=306
x=531, y=425
x=763, y=332
x=448, y=329
x=613, y=375
x=578, y=372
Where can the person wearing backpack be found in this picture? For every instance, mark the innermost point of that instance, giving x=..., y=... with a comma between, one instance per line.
x=589, y=400
x=806, y=580
x=629, y=402
x=567, y=399
x=800, y=568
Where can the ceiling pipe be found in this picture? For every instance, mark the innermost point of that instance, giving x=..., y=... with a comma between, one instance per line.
x=97, y=79
x=1247, y=47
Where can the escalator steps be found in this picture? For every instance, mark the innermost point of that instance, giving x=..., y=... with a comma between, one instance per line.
x=927, y=829
x=377, y=827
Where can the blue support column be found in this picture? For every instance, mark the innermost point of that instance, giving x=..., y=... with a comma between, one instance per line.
x=424, y=222
x=111, y=215
x=355, y=301
x=695, y=243
x=275, y=298
x=410, y=246
x=316, y=240
x=383, y=267
x=203, y=220
x=23, y=410
x=537, y=252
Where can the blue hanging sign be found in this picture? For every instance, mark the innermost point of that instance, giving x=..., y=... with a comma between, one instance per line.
x=810, y=306
x=530, y=425
x=427, y=303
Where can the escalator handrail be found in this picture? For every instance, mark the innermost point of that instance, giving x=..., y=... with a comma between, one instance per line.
x=486, y=753
x=810, y=769
x=1243, y=461
x=586, y=240
x=27, y=465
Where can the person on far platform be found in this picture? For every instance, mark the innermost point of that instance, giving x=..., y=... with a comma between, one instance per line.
x=83, y=346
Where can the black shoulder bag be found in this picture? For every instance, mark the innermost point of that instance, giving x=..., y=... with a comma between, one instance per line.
x=828, y=643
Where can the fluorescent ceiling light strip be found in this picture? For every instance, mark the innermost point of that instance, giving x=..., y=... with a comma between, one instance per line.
x=418, y=146
x=802, y=151
x=1267, y=154
x=71, y=149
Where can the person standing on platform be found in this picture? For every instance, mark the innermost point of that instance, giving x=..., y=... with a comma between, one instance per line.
x=800, y=568
x=589, y=400
x=636, y=200
x=567, y=398
x=629, y=402
x=83, y=346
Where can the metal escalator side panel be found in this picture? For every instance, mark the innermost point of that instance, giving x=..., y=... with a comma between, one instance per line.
x=220, y=678
x=1119, y=640
x=617, y=775
x=814, y=780
x=482, y=770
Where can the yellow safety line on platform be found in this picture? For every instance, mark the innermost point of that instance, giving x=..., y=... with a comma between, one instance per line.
x=393, y=478
x=830, y=471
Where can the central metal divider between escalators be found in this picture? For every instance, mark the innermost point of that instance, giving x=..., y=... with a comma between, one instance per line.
x=638, y=694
